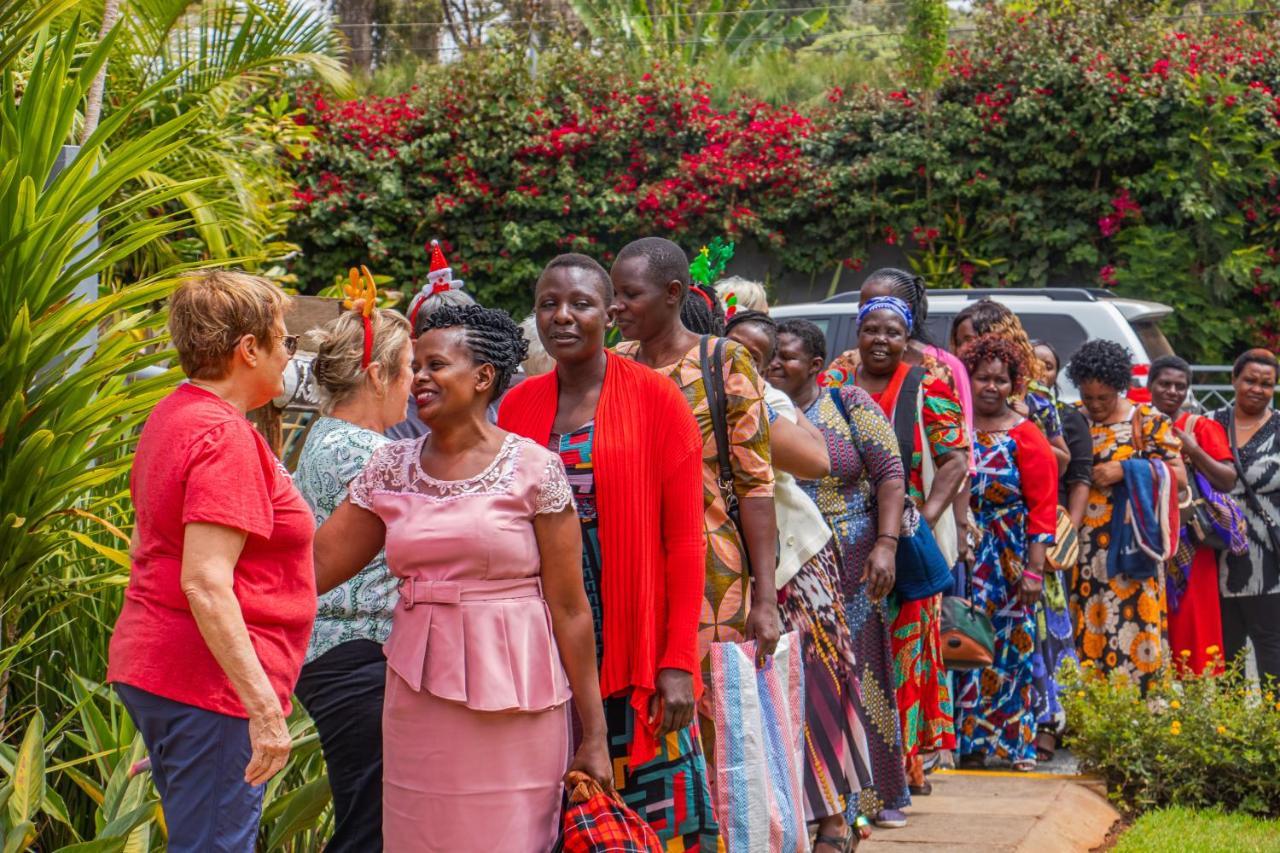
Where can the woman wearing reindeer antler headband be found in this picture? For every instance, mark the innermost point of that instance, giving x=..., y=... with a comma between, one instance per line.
x=362, y=369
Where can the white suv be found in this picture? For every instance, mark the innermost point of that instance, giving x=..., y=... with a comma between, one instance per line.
x=1066, y=317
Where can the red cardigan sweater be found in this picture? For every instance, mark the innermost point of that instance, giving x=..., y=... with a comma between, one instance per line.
x=647, y=464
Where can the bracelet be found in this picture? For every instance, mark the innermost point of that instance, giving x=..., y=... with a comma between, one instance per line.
x=887, y=536
x=1032, y=575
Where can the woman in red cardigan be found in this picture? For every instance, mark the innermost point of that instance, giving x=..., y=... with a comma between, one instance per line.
x=633, y=454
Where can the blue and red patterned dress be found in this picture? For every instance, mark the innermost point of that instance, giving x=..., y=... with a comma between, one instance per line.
x=671, y=792
x=1014, y=498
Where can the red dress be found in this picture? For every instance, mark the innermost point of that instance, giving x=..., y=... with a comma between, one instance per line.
x=1196, y=625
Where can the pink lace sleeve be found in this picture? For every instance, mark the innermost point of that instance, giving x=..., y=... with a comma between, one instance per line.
x=384, y=471
x=554, y=493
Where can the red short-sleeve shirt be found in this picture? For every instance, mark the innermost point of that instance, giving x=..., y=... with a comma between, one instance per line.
x=200, y=460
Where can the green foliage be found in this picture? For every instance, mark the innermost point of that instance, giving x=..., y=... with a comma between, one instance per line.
x=1083, y=144
x=185, y=165
x=683, y=30
x=67, y=416
x=1202, y=742
x=1180, y=830
x=224, y=62
x=924, y=43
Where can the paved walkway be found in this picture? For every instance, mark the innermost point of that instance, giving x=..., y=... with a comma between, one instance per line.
x=1001, y=812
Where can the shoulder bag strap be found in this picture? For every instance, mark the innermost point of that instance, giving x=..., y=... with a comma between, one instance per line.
x=839, y=401
x=713, y=384
x=904, y=416
x=1249, y=495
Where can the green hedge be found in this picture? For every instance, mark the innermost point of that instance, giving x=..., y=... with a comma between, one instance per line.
x=1093, y=147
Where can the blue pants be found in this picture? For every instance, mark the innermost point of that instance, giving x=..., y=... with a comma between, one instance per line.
x=198, y=759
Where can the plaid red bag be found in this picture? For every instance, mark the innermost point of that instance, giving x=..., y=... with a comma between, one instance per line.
x=599, y=822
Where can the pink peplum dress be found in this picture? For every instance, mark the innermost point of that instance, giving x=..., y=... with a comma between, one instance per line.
x=476, y=725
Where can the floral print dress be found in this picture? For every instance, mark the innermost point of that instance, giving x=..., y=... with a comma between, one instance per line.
x=924, y=692
x=1120, y=623
x=864, y=453
x=1014, y=500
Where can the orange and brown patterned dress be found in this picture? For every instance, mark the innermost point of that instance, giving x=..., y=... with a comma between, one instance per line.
x=724, y=607
x=1120, y=622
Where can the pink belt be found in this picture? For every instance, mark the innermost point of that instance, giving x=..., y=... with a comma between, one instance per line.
x=455, y=592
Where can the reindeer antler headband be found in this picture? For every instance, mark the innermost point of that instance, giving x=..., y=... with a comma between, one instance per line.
x=362, y=297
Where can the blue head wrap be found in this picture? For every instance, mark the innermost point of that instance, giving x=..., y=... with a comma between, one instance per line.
x=886, y=303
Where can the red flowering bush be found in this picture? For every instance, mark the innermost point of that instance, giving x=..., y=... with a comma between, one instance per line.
x=510, y=169
x=1089, y=146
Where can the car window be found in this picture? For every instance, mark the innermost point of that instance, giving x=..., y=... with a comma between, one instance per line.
x=1063, y=332
x=1153, y=340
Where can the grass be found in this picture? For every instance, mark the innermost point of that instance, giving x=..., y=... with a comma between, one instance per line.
x=1179, y=830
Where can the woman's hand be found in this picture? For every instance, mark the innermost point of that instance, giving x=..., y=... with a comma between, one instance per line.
x=882, y=568
x=1107, y=473
x=592, y=758
x=270, y=743
x=765, y=627
x=672, y=705
x=1029, y=590
x=1188, y=440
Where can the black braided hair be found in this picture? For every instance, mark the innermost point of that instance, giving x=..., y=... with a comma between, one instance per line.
x=491, y=335
x=754, y=318
x=910, y=288
x=1102, y=361
x=815, y=343
x=700, y=316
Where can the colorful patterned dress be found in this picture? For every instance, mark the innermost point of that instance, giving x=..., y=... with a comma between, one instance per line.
x=1055, y=635
x=811, y=601
x=924, y=694
x=1120, y=622
x=1014, y=498
x=671, y=792
x=864, y=453
x=724, y=609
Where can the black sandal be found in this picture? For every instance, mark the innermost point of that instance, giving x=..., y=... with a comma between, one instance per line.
x=1046, y=746
x=841, y=844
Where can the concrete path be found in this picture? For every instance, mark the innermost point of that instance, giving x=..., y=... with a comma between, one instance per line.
x=1001, y=812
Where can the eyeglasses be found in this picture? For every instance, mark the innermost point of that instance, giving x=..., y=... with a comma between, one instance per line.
x=290, y=343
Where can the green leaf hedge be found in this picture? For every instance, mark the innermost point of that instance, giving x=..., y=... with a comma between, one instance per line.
x=1096, y=145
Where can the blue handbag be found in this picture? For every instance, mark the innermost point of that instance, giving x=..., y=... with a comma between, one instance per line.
x=921, y=569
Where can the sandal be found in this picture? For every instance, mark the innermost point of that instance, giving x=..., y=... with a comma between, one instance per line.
x=921, y=790
x=1026, y=765
x=1046, y=746
x=841, y=844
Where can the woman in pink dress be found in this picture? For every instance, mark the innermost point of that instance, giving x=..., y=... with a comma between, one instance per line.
x=493, y=628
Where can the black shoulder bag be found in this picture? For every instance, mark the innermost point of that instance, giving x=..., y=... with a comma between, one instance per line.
x=1251, y=498
x=712, y=360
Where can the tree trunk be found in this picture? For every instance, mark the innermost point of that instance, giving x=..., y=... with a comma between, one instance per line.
x=355, y=20
x=93, y=102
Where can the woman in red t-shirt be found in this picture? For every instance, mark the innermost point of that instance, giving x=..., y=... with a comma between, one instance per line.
x=1195, y=618
x=221, y=597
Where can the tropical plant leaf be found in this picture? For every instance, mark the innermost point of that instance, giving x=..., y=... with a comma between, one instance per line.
x=28, y=774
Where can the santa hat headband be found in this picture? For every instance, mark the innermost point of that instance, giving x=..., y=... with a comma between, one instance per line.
x=439, y=280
